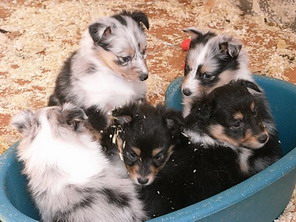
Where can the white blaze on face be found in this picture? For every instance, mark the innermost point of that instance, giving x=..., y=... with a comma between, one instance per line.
x=196, y=58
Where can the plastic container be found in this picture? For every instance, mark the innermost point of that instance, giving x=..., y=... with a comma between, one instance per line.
x=261, y=198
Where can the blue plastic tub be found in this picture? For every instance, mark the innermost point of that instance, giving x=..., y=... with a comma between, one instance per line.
x=261, y=198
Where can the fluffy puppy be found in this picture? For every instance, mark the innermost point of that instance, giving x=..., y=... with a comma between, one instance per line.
x=212, y=61
x=144, y=137
x=237, y=116
x=69, y=177
x=229, y=136
x=109, y=68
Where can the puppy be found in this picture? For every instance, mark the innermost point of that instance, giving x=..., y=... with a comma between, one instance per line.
x=109, y=68
x=229, y=135
x=69, y=177
x=237, y=116
x=212, y=61
x=144, y=137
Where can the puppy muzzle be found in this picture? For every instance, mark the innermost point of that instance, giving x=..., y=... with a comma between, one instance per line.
x=186, y=92
x=143, y=76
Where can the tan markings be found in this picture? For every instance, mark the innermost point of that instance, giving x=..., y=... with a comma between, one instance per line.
x=217, y=131
x=133, y=172
x=136, y=150
x=253, y=106
x=171, y=150
x=156, y=151
x=224, y=78
x=238, y=116
x=128, y=72
x=169, y=153
x=205, y=68
x=107, y=57
x=153, y=172
x=248, y=136
x=151, y=177
x=119, y=144
x=129, y=51
x=96, y=135
x=131, y=73
x=250, y=140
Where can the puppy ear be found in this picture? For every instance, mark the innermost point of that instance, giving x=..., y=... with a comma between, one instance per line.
x=23, y=122
x=125, y=114
x=124, y=119
x=230, y=46
x=141, y=18
x=193, y=32
x=250, y=85
x=99, y=31
x=173, y=119
x=72, y=115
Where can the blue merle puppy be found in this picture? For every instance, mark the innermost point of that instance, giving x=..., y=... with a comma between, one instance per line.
x=109, y=69
x=69, y=177
x=212, y=61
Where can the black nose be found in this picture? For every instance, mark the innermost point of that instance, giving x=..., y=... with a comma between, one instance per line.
x=143, y=76
x=142, y=181
x=263, y=138
x=186, y=92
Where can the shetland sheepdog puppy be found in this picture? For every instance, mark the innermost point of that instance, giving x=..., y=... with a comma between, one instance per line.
x=236, y=116
x=69, y=177
x=109, y=69
x=212, y=61
x=229, y=135
x=143, y=136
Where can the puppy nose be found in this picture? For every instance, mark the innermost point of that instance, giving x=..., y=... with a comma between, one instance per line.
x=143, y=76
x=142, y=181
x=186, y=92
x=263, y=138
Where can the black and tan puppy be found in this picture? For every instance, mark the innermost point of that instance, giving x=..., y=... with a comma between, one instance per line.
x=229, y=135
x=144, y=137
x=236, y=116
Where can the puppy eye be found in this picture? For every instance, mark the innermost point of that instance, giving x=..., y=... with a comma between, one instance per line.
x=126, y=59
x=237, y=124
x=255, y=113
x=158, y=157
x=208, y=77
x=132, y=156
